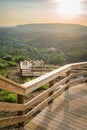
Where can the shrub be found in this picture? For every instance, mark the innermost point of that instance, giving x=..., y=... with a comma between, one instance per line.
x=3, y=64
x=19, y=58
x=3, y=73
x=3, y=93
x=7, y=58
x=6, y=96
x=10, y=98
x=12, y=64
x=44, y=87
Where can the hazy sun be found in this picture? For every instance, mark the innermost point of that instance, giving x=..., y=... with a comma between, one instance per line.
x=69, y=8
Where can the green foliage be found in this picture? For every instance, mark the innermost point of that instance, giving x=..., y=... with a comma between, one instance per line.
x=12, y=64
x=27, y=80
x=6, y=96
x=3, y=73
x=7, y=58
x=10, y=98
x=56, y=44
x=19, y=58
x=3, y=64
x=3, y=93
x=44, y=87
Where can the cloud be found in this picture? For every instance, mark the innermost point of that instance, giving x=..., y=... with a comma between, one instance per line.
x=41, y=5
x=83, y=17
x=30, y=1
x=84, y=4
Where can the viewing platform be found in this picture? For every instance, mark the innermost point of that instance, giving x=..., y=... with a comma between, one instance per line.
x=63, y=106
x=67, y=112
x=35, y=68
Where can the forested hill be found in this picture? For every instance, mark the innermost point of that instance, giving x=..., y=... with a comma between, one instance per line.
x=53, y=43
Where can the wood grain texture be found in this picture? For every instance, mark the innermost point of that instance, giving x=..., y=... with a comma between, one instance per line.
x=45, y=102
x=78, y=81
x=44, y=94
x=38, y=82
x=11, y=120
x=82, y=73
x=11, y=107
x=73, y=99
x=11, y=86
x=67, y=112
x=80, y=64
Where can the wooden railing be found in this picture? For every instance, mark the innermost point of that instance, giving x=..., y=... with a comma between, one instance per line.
x=36, y=71
x=59, y=80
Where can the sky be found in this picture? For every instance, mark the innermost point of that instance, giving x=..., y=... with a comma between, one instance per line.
x=15, y=12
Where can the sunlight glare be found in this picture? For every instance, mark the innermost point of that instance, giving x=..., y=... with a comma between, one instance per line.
x=69, y=8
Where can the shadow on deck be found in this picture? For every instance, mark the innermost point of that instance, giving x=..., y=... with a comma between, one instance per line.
x=67, y=112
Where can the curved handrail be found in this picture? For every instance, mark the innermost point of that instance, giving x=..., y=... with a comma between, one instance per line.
x=43, y=99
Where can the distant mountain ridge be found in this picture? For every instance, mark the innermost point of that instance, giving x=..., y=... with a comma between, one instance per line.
x=66, y=40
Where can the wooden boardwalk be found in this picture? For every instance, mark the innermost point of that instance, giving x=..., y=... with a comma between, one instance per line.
x=67, y=112
x=35, y=68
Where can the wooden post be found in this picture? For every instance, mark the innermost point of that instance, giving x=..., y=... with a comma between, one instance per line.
x=21, y=100
x=51, y=83
x=67, y=74
x=86, y=79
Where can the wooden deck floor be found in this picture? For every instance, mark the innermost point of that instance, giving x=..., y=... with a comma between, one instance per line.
x=67, y=112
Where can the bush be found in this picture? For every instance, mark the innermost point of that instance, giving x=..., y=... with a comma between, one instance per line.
x=44, y=87
x=4, y=93
x=7, y=58
x=3, y=73
x=6, y=96
x=12, y=64
x=3, y=64
x=19, y=58
x=10, y=98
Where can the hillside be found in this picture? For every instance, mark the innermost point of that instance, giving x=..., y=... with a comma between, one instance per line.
x=53, y=43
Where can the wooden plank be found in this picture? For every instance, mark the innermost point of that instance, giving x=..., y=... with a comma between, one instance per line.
x=80, y=68
x=80, y=64
x=40, y=69
x=79, y=74
x=79, y=97
x=72, y=108
x=34, y=74
x=11, y=120
x=33, y=85
x=11, y=86
x=38, y=82
x=53, y=117
x=11, y=107
x=44, y=94
x=76, y=71
x=21, y=100
x=64, y=104
x=73, y=104
x=54, y=124
x=34, y=126
x=45, y=102
x=51, y=66
x=65, y=113
x=81, y=80
x=51, y=84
